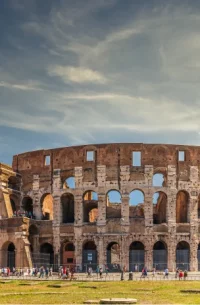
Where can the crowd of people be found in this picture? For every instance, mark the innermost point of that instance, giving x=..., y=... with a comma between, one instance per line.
x=22, y=213
x=64, y=272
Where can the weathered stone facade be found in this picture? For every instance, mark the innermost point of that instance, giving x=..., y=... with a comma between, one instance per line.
x=69, y=220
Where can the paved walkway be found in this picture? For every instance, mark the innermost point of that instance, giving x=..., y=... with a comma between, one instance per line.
x=192, y=276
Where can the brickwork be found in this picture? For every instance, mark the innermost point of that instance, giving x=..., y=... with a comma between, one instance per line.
x=172, y=221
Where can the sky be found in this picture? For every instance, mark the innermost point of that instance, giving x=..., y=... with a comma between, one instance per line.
x=98, y=71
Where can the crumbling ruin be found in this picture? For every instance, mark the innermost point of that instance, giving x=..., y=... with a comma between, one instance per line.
x=111, y=205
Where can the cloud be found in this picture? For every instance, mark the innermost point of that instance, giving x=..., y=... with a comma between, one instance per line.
x=77, y=74
x=84, y=77
x=24, y=87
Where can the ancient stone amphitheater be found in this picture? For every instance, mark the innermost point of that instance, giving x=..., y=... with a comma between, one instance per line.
x=111, y=205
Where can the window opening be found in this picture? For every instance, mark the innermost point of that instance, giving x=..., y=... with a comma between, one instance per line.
x=47, y=160
x=90, y=155
x=181, y=155
x=136, y=158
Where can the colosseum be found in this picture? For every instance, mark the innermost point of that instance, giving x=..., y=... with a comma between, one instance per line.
x=111, y=205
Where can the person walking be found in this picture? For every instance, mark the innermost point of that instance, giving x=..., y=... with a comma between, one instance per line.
x=166, y=273
x=180, y=275
x=185, y=274
x=97, y=271
x=100, y=272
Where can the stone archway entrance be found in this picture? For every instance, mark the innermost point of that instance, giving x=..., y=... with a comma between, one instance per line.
x=113, y=257
x=11, y=256
x=46, y=254
x=183, y=255
x=136, y=256
x=89, y=256
x=160, y=256
x=69, y=259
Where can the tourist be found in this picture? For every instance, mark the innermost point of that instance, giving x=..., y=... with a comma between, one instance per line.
x=47, y=272
x=106, y=270
x=72, y=273
x=180, y=275
x=89, y=271
x=154, y=272
x=177, y=273
x=41, y=274
x=166, y=273
x=100, y=272
x=97, y=271
x=8, y=271
x=185, y=274
x=50, y=271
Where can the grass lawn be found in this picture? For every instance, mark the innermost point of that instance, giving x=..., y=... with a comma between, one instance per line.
x=164, y=292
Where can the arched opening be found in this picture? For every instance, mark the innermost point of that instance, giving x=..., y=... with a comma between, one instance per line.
x=90, y=206
x=46, y=254
x=67, y=203
x=159, y=208
x=89, y=256
x=136, y=256
x=114, y=201
x=69, y=183
x=183, y=255
x=11, y=256
x=27, y=205
x=136, y=204
x=159, y=180
x=47, y=207
x=13, y=205
x=198, y=256
x=69, y=254
x=14, y=183
x=33, y=230
x=113, y=257
x=160, y=256
x=182, y=204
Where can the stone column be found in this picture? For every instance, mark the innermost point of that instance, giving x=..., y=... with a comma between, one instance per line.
x=148, y=256
x=37, y=208
x=148, y=209
x=193, y=254
x=171, y=208
x=78, y=196
x=56, y=215
x=101, y=221
x=124, y=252
x=125, y=209
x=148, y=205
x=100, y=251
x=171, y=256
x=78, y=208
x=101, y=180
x=171, y=199
x=78, y=252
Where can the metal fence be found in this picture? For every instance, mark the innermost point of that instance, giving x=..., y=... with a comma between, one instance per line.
x=136, y=260
x=183, y=259
x=160, y=259
x=89, y=260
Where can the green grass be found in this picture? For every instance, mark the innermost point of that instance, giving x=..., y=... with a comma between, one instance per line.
x=148, y=292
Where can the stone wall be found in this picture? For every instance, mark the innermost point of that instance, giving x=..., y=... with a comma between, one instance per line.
x=112, y=169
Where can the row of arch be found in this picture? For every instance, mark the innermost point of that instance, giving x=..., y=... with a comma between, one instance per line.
x=113, y=255
x=113, y=206
x=158, y=180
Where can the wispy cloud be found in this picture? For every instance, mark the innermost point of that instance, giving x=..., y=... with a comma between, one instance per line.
x=30, y=86
x=77, y=74
x=83, y=76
